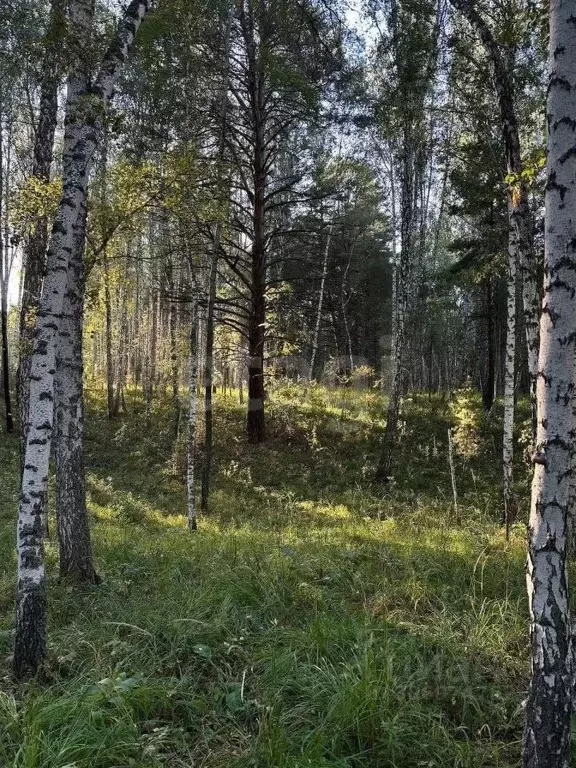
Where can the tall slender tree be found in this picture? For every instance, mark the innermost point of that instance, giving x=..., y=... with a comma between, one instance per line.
x=213, y=269
x=35, y=249
x=81, y=138
x=5, y=269
x=548, y=708
x=521, y=253
x=414, y=51
x=74, y=540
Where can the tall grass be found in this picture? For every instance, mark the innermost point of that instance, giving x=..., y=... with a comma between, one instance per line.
x=314, y=620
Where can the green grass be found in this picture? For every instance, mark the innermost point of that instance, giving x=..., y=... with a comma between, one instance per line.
x=314, y=619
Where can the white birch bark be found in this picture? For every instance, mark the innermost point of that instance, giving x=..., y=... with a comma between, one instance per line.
x=548, y=708
x=509, y=378
x=571, y=523
x=81, y=137
x=403, y=277
x=35, y=251
x=519, y=209
x=5, y=268
x=213, y=278
x=318, y=322
x=75, y=545
x=192, y=420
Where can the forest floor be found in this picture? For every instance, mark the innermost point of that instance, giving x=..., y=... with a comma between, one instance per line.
x=314, y=620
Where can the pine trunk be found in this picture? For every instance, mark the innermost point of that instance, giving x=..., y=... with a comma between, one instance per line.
x=255, y=422
x=212, y=280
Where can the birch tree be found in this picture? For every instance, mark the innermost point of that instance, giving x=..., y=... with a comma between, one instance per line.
x=520, y=249
x=548, y=708
x=318, y=320
x=413, y=48
x=510, y=378
x=81, y=138
x=192, y=419
x=35, y=249
x=6, y=259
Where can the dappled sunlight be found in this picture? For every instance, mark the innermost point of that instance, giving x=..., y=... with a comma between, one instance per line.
x=310, y=604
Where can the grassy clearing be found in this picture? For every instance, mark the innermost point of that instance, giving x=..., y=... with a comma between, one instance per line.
x=314, y=620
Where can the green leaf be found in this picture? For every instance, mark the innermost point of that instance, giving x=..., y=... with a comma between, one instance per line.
x=203, y=650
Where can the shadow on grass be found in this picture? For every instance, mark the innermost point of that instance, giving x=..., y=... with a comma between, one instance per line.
x=314, y=619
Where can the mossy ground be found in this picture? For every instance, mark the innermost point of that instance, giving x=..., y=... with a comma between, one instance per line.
x=315, y=619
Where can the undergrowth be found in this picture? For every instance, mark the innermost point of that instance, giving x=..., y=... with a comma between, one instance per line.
x=315, y=620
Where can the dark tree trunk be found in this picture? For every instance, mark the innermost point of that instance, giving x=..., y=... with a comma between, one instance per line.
x=256, y=422
x=257, y=320
x=212, y=280
x=208, y=369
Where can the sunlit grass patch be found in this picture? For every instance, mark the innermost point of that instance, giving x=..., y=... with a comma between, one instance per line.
x=314, y=620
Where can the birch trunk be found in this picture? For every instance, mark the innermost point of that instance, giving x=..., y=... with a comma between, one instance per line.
x=35, y=251
x=5, y=269
x=509, y=380
x=136, y=356
x=571, y=523
x=350, y=362
x=75, y=545
x=151, y=367
x=403, y=284
x=81, y=138
x=122, y=365
x=488, y=386
x=174, y=368
x=107, y=294
x=519, y=210
x=108, y=315
x=548, y=708
x=318, y=322
x=192, y=420
x=208, y=371
x=5, y=351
